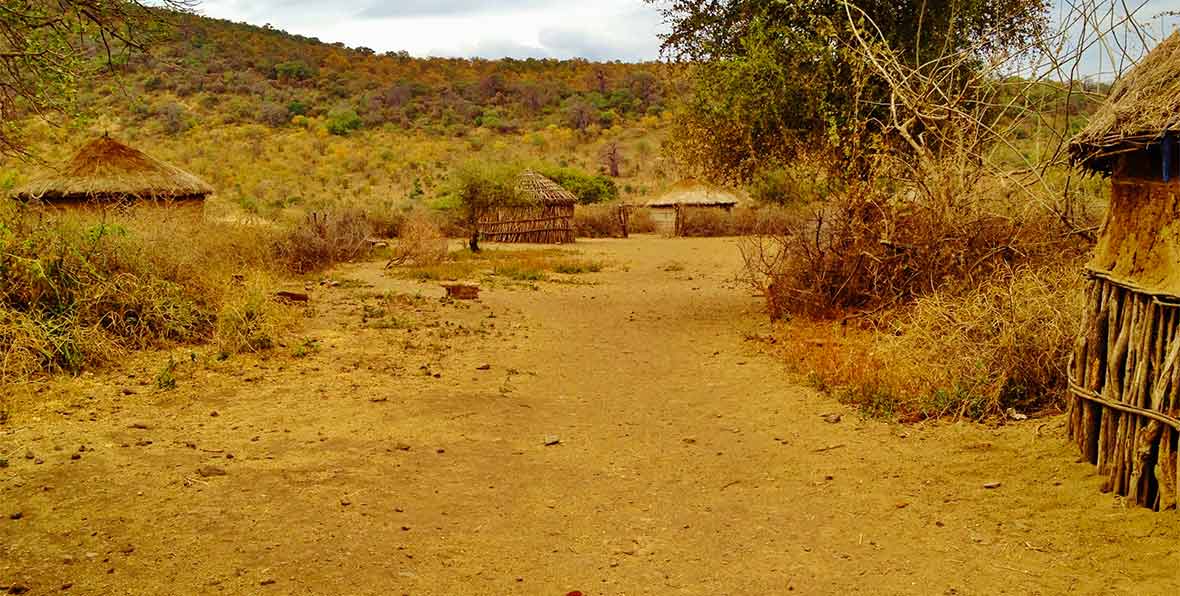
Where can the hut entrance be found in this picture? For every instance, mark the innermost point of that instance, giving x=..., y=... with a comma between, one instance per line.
x=546, y=218
x=1124, y=373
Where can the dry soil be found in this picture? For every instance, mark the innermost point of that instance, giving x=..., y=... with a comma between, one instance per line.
x=624, y=437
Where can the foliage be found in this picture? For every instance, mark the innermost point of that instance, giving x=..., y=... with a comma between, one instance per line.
x=781, y=79
x=238, y=72
x=802, y=183
x=588, y=188
x=342, y=121
x=50, y=47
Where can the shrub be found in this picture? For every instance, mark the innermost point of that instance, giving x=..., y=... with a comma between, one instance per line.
x=78, y=291
x=597, y=222
x=274, y=114
x=870, y=246
x=173, y=117
x=974, y=353
x=706, y=222
x=342, y=121
x=588, y=188
x=324, y=239
x=420, y=243
x=295, y=70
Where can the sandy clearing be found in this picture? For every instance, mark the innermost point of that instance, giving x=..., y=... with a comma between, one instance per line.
x=689, y=463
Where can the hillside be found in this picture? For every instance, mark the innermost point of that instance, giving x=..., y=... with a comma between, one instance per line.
x=380, y=129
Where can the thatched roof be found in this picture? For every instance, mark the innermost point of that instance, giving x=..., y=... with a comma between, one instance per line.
x=537, y=188
x=107, y=170
x=1142, y=107
x=694, y=194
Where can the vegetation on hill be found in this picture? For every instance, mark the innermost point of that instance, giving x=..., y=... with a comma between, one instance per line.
x=900, y=220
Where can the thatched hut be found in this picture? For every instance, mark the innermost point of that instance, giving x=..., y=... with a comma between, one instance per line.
x=546, y=215
x=107, y=172
x=668, y=208
x=1124, y=371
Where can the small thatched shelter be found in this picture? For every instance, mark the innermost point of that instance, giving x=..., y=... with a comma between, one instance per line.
x=1125, y=368
x=105, y=171
x=666, y=209
x=546, y=217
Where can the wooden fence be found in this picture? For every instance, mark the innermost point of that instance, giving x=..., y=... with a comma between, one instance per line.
x=1125, y=381
x=549, y=224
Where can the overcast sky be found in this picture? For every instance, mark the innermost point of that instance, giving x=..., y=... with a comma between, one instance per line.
x=593, y=29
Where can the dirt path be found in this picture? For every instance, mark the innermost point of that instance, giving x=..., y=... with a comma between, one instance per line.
x=688, y=463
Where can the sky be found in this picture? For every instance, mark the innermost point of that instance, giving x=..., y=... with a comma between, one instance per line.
x=593, y=29
x=626, y=30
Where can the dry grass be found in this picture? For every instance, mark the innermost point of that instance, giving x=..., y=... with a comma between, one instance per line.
x=704, y=222
x=974, y=354
x=324, y=239
x=876, y=247
x=420, y=242
x=516, y=265
x=249, y=319
x=78, y=290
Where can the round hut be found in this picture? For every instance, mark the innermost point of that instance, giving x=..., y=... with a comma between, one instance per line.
x=546, y=217
x=667, y=210
x=1124, y=372
x=107, y=172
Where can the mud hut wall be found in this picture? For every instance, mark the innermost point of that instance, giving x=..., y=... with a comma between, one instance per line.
x=1139, y=242
x=188, y=210
x=540, y=224
x=1125, y=367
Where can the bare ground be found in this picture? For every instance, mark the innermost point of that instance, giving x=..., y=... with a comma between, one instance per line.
x=688, y=462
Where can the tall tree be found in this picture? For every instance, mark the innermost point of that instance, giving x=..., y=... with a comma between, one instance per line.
x=777, y=78
x=48, y=46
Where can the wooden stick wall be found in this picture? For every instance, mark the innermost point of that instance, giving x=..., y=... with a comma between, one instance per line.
x=1125, y=383
x=551, y=224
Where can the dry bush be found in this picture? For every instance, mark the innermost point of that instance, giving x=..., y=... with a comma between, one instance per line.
x=706, y=222
x=872, y=248
x=420, y=243
x=82, y=289
x=324, y=239
x=598, y=221
x=741, y=221
x=642, y=222
x=249, y=319
x=975, y=354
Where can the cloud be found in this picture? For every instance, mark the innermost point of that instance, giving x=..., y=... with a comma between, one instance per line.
x=592, y=29
x=435, y=8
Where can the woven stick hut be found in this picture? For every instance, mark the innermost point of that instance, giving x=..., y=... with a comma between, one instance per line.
x=668, y=208
x=546, y=217
x=1125, y=368
x=105, y=171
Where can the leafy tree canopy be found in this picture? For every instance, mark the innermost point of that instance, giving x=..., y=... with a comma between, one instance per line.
x=773, y=79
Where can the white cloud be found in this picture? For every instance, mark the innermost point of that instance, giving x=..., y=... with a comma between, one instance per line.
x=598, y=30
